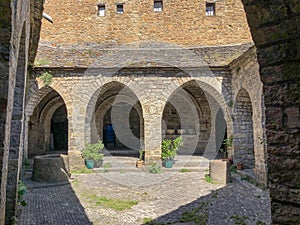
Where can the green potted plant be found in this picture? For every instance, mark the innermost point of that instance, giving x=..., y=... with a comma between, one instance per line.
x=169, y=151
x=228, y=143
x=92, y=154
x=140, y=161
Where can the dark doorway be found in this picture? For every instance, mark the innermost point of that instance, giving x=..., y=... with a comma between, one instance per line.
x=59, y=129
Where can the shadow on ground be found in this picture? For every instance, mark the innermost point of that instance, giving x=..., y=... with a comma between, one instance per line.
x=238, y=203
x=52, y=205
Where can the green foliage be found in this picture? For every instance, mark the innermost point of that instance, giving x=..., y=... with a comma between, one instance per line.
x=184, y=170
x=46, y=77
x=169, y=148
x=233, y=169
x=116, y=204
x=208, y=179
x=22, y=189
x=82, y=171
x=106, y=165
x=195, y=215
x=41, y=62
x=75, y=182
x=149, y=221
x=93, y=151
x=154, y=168
x=26, y=163
x=214, y=194
x=228, y=142
x=239, y=220
x=141, y=154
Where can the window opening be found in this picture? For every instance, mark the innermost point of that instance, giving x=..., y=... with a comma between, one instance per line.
x=210, y=9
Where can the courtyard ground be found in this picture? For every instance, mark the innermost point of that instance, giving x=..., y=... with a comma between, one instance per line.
x=121, y=198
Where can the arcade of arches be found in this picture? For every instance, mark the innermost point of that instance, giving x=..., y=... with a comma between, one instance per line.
x=138, y=112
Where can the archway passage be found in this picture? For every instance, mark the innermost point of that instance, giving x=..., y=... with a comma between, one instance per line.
x=59, y=129
x=187, y=113
x=243, y=130
x=119, y=120
x=48, y=126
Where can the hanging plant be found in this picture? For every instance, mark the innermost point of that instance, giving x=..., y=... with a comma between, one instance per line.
x=46, y=77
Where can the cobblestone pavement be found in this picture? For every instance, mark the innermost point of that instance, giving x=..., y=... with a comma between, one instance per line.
x=173, y=198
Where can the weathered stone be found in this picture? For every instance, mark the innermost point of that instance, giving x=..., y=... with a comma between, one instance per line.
x=219, y=171
x=51, y=168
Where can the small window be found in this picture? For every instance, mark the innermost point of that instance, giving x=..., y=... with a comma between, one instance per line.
x=158, y=5
x=120, y=8
x=101, y=10
x=210, y=9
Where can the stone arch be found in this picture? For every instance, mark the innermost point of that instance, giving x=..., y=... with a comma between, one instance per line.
x=193, y=121
x=39, y=113
x=104, y=107
x=243, y=130
x=108, y=95
x=211, y=88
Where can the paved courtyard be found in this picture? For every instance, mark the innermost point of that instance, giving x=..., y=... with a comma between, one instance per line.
x=165, y=198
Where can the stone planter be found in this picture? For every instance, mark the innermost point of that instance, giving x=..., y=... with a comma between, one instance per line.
x=51, y=168
x=219, y=171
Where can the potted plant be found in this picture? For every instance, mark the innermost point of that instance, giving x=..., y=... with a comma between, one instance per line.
x=169, y=151
x=140, y=161
x=92, y=154
x=228, y=143
x=240, y=166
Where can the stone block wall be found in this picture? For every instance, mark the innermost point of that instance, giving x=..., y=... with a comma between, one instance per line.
x=248, y=113
x=15, y=28
x=275, y=31
x=181, y=22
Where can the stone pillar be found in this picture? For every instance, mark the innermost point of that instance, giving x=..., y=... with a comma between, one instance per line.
x=152, y=132
x=14, y=56
x=17, y=130
x=76, y=119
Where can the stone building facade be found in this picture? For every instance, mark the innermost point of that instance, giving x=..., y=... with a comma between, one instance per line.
x=179, y=22
x=142, y=59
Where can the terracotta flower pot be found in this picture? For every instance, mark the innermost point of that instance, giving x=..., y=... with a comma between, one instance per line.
x=139, y=163
x=239, y=166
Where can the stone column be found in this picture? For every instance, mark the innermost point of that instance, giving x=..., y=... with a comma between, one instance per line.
x=76, y=119
x=17, y=131
x=152, y=132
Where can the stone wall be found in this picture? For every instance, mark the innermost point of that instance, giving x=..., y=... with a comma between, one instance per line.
x=275, y=31
x=180, y=22
x=248, y=113
x=14, y=53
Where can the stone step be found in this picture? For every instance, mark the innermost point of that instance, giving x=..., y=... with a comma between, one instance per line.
x=146, y=169
x=119, y=163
